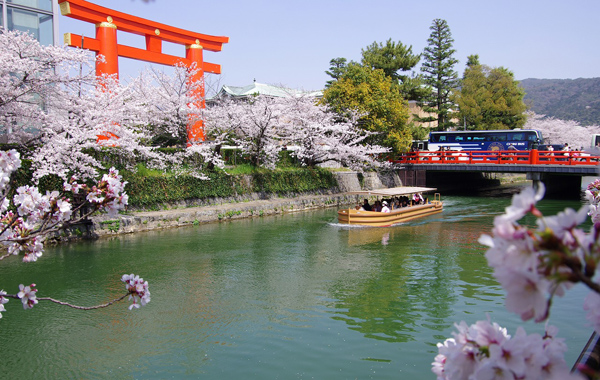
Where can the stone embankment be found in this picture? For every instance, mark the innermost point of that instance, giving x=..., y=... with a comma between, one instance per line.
x=223, y=209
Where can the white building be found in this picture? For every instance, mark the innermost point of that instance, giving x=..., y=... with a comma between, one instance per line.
x=37, y=17
x=261, y=89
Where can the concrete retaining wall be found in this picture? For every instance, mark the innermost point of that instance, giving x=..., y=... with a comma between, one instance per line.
x=152, y=220
x=250, y=205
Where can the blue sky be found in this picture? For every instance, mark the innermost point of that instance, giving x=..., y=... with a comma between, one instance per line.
x=291, y=42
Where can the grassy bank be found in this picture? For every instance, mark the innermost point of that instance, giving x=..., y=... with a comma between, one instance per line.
x=148, y=190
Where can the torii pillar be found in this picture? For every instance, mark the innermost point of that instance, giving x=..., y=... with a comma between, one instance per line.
x=195, y=125
x=107, y=22
x=106, y=34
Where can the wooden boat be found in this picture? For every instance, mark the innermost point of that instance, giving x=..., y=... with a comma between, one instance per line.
x=382, y=219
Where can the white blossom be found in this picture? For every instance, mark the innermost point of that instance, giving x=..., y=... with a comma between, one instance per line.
x=486, y=351
x=27, y=296
x=138, y=290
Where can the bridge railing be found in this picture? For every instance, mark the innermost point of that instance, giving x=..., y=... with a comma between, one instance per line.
x=499, y=157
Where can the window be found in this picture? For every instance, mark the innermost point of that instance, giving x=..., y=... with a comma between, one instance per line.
x=32, y=16
x=45, y=5
x=518, y=137
x=438, y=138
x=37, y=24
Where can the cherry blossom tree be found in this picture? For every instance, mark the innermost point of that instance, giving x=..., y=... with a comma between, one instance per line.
x=262, y=125
x=49, y=102
x=33, y=78
x=71, y=118
x=533, y=266
x=171, y=104
x=100, y=118
x=556, y=131
x=253, y=124
x=169, y=101
x=320, y=137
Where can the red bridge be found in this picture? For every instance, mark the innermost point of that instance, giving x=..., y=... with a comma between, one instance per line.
x=500, y=157
x=560, y=171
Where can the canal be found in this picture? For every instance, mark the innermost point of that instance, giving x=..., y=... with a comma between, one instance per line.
x=295, y=296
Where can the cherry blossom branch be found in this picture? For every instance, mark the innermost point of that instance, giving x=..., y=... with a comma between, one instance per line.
x=15, y=296
x=137, y=291
x=533, y=266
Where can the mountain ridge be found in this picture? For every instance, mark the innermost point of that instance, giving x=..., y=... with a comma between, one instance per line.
x=565, y=99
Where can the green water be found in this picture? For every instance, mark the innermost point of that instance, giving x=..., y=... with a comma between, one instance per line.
x=287, y=297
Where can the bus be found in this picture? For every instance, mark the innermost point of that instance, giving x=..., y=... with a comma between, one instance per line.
x=519, y=139
x=595, y=141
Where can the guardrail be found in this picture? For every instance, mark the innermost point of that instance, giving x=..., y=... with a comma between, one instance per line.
x=500, y=157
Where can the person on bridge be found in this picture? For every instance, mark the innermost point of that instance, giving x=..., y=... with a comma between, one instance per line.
x=567, y=150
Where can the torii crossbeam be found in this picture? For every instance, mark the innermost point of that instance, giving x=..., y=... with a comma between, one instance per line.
x=108, y=21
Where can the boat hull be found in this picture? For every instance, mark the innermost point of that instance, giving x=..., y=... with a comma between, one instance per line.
x=383, y=219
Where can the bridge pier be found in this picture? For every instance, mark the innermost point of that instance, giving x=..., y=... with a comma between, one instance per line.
x=461, y=182
x=559, y=186
x=412, y=177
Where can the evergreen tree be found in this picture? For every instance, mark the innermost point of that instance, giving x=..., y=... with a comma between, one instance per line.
x=490, y=98
x=337, y=67
x=439, y=74
x=396, y=60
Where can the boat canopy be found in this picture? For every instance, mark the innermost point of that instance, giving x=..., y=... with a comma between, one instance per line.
x=390, y=192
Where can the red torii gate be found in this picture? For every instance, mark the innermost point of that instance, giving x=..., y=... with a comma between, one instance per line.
x=107, y=22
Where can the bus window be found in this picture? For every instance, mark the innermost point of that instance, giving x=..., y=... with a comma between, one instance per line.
x=438, y=138
x=518, y=137
x=497, y=137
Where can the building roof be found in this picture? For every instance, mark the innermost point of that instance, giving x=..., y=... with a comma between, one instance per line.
x=263, y=89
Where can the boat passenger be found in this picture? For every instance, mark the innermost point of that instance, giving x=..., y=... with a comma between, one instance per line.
x=366, y=206
x=417, y=199
x=377, y=206
x=384, y=207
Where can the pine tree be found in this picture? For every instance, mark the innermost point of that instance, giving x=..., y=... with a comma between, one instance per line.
x=396, y=60
x=439, y=74
x=336, y=69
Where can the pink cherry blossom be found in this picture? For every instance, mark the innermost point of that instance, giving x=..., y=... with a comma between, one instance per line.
x=485, y=351
x=3, y=300
x=524, y=202
x=27, y=296
x=138, y=290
